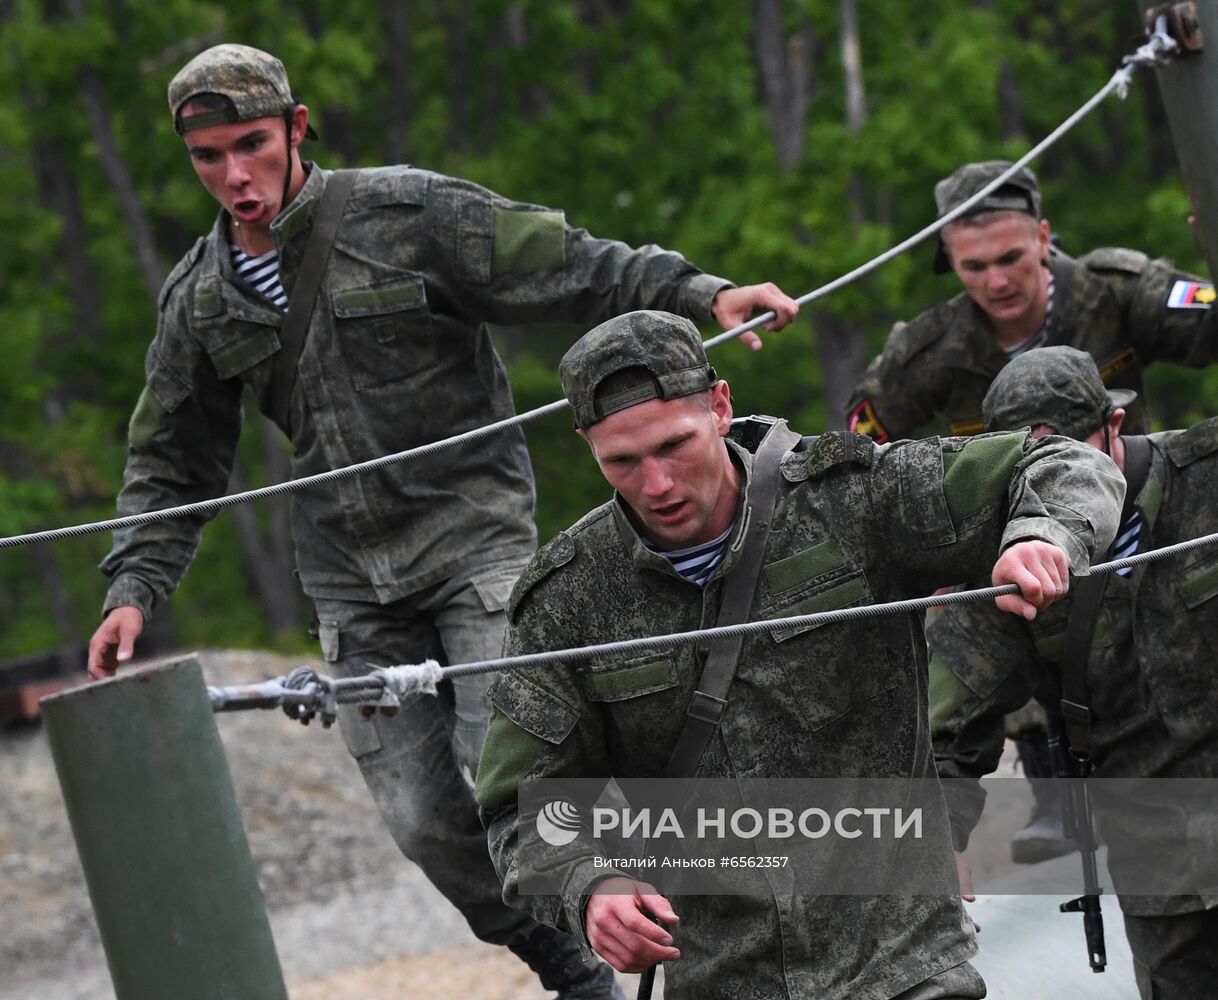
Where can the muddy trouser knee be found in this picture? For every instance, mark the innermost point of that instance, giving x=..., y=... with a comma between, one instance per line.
x=409, y=763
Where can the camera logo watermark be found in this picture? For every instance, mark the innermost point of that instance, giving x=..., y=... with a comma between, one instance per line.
x=558, y=822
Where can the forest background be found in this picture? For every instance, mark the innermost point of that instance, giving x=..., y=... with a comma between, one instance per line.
x=768, y=140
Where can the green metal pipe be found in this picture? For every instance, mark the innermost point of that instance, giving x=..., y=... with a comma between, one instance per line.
x=160, y=837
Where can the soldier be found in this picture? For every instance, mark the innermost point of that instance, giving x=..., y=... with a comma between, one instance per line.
x=852, y=523
x=408, y=562
x=1119, y=306
x=1122, y=308
x=1153, y=707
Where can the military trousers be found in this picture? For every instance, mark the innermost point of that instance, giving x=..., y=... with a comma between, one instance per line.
x=1175, y=957
x=419, y=764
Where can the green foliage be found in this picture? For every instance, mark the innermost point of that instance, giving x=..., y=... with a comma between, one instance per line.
x=643, y=119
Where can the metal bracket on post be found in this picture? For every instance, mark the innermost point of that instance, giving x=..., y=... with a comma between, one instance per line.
x=1181, y=22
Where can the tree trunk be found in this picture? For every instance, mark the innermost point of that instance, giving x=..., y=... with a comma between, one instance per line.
x=395, y=15
x=279, y=515
x=784, y=70
x=456, y=16
x=842, y=349
x=114, y=166
x=275, y=589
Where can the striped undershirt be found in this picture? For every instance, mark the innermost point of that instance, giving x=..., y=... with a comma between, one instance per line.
x=1126, y=543
x=697, y=562
x=261, y=273
x=1040, y=336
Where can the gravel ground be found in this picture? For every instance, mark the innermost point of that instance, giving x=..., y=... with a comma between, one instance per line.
x=352, y=919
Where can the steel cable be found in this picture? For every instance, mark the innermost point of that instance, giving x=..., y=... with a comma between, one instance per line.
x=369, y=689
x=1153, y=51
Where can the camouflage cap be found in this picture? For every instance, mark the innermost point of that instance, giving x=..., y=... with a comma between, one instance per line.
x=1057, y=386
x=255, y=83
x=1020, y=193
x=667, y=346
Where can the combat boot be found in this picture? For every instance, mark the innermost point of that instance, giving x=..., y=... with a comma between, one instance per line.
x=1044, y=836
x=555, y=957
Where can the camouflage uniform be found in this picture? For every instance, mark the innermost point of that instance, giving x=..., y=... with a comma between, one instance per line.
x=413, y=560
x=1153, y=702
x=854, y=523
x=1119, y=306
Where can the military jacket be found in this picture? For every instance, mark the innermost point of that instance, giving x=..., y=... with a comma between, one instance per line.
x=854, y=523
x=1119, y=306
x=397, y=356
x=1150, y=674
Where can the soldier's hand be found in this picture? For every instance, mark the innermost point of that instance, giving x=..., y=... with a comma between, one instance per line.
x=620, y=930
x=1041, y=570
x=964, y=872
x=114, y=641
x=734, y=306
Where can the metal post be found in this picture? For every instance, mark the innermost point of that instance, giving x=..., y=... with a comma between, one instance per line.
x=160, y=837
x=1189, y=84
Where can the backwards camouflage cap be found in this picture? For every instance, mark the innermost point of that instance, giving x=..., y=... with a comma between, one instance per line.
x=255, y=83
x=668, y=346
x=1020, y=193
x=1057, y=386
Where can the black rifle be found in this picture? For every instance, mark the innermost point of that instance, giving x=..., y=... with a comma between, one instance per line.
x=1076, y=819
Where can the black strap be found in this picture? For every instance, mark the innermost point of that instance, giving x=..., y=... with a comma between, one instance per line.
x=710, y=699
x=1063, y=267
x=1084, y=614
x=304, y=291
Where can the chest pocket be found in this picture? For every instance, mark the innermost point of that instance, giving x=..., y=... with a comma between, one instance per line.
x=642, y=701
x=385, y=329
x=830, y=668
x=1178, y=645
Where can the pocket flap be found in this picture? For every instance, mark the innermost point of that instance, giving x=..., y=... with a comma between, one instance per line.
x=843, y=594
x=393, y=295
x=533, y=708
x=244, y=351
x=632, y=678
x=1199, y=584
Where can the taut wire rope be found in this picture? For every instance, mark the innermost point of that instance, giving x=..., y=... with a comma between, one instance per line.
x=1159, y=46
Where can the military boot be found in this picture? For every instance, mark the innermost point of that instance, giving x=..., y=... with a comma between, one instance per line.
x=555, y=957
x=1044, y=836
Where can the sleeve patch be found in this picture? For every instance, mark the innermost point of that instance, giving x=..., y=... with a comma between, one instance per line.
x=1190, y=295
x=528, y=240
x=864, y=420
x=144, y=419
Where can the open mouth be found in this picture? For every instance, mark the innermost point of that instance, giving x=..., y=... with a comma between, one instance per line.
x=246, y=209
x=670, y=512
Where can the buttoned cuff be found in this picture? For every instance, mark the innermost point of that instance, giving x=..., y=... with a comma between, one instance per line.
x=130, y=591
x=1045, y=529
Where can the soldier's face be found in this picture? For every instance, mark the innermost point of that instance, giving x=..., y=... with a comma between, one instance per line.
x=668, y=461
x=243, y=165
x=1000, y=266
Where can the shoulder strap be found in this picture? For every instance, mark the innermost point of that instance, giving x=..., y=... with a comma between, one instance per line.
x=1076, y=697
x=1137, y=468
x=1085, y=611
x=304, y=291
x=710, y=699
